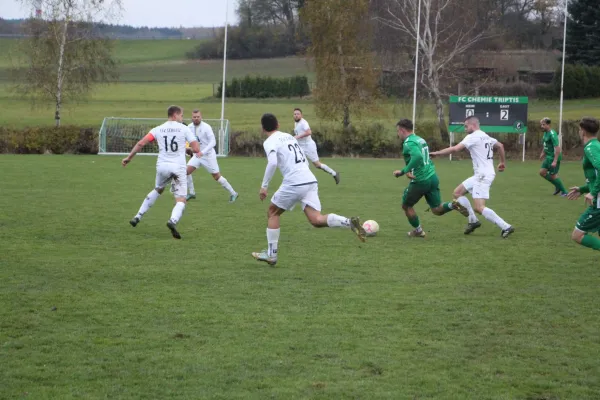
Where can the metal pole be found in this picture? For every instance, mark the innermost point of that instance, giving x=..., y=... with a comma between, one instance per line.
x=221, y=131
x=414, y=114
x=562, y=78
x=524, y=141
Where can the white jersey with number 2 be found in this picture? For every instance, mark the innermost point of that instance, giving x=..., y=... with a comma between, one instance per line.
x=291, y=160
x=170, y=138
x=481, y=147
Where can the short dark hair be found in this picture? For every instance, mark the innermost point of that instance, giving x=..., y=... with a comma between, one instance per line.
x=406, y=124
x=298, y=109
x=590, y=125
x=195, y=111
x=472, y=118
x=546, y=120
x=173, y=110
x=269, y=122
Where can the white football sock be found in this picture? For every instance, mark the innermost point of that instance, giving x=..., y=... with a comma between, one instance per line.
x=190, y=185
x=463, y=201
x=226, y=185
x=337, y=221
x=177, y=211
x=328, y=170
x=148, y=202
x=273, y=240
x=491, y=216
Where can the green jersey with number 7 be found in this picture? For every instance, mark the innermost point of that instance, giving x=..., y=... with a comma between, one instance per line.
x=416, y=155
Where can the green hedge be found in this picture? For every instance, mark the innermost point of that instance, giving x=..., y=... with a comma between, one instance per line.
x=265, y=87
x=41, y=140
x=581, y=81
x=368, y=140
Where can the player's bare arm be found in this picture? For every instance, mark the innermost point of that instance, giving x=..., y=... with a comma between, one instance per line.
x=137, y=148
x=304, y=134
x=500, y=148
x=448, y=150
x=269, y=172
x=557, y=152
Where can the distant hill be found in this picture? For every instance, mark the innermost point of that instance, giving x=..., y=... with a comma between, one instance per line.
x=13, y=27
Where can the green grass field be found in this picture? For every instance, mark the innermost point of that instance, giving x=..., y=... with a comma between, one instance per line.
x=92, y=308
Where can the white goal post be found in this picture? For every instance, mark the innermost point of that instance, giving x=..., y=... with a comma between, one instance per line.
x=119, y=135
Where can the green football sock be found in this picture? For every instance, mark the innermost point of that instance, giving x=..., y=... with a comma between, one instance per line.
x=414, y=221
x=559, y=185
x=591, y=242
x=447, y=206
x=549, y=178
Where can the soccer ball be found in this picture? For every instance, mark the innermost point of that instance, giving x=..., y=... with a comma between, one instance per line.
x=371, y=227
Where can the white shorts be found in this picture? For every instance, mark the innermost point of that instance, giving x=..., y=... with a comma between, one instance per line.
x=479, y=186
x=310, y=150
x=208, y=161
x=172, y=173
x=286, y=197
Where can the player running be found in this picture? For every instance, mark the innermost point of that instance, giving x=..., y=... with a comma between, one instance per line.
x=481, y=147
x=207, y=157
x=424, y=181
x=303, y=134
x=299, y=186
x=589, y=222
x=551, y=156
x=170, y=164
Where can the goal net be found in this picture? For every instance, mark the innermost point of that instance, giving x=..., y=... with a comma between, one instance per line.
x=119, y=135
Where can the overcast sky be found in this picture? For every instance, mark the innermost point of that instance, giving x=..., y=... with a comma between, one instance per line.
x=154, y=13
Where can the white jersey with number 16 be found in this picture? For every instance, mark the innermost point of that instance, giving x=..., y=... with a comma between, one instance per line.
x=481, y=147
x=291, y=160
x=170, y=138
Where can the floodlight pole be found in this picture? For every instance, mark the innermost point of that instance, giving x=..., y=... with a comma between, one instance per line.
x=223, y=86
x=414, y=114
x=562, y=78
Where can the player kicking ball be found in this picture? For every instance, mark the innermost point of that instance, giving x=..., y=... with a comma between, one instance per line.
x=589, y=222
x=481, y=147
x=207, y=158
x=299, y=186
x=170, y=165
x=424, y=181
x=551, y=156
x=303, y=135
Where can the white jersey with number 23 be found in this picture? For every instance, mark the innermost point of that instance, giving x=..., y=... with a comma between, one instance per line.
x=481, y=147
x=291, y=160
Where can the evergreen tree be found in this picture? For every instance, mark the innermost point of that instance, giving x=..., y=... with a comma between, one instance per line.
x=583, y=32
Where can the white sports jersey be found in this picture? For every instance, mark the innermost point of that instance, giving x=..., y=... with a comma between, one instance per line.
x=481, y=147
x=291, y=160
x=299, y=128
x=205, y=136
x=170, y=138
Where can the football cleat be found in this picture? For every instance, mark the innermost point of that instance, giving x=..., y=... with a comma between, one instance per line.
x=357, y=228
x=233, y=197
x=336, y=177
x=506, y=232
x=171, y=226
x=471, y=226
x=418, y=234
x=458, y=207
x=264, y=257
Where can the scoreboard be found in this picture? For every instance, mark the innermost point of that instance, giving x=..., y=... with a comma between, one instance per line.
x=497, y=114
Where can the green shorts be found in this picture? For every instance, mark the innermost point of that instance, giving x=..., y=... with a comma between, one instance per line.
x=589, y=221
x=429, y=188
x=547, y=164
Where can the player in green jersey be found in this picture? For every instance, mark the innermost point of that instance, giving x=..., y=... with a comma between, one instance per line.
x=589, y=222
x=423, y=179
x=551, y=156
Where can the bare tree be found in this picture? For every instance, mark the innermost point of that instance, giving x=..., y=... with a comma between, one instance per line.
x=448, y=30
x=63, y=57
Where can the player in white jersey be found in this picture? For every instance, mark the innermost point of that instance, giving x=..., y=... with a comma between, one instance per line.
x=299, y=186
x=170, y=165
x=207, y=157
x=481, y=147
x=303, y=135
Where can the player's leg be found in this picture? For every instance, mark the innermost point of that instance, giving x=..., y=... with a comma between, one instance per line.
x=270, y=254
x=180, y=191
x=558, y=184
x=192, y=165
x=460, y=196
x=589, y=222
x=481, y=193
x=162, y=179
x=211, y=165
x=310, y=150
x=433, y=198
x=412, y=195
x=312, y=209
